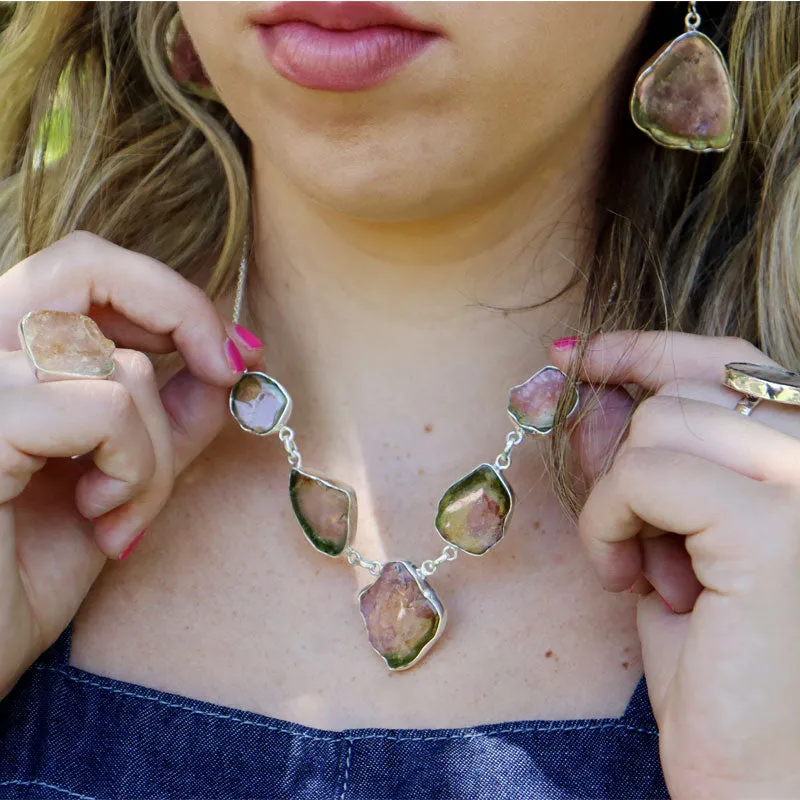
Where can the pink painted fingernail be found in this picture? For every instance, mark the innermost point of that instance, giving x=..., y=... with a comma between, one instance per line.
x=566, y=344
x=234, y=356
x=249, y=339
x=127, y=551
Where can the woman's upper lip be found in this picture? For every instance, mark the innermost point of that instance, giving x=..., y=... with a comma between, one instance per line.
x=341, y=16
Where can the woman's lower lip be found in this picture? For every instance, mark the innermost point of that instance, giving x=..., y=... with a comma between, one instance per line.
x=338, y=60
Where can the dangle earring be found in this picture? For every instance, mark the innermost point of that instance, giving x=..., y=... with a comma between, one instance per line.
x=684, y=97
x=184, y=63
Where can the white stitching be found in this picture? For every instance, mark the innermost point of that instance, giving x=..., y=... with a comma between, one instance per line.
x=346, y=768
x=541, y=727
x=47, y=786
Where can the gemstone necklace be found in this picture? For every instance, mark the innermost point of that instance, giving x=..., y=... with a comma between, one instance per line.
x=402, y=613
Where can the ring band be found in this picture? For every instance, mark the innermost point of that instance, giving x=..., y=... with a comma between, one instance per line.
x=747, y=404
x=759, y=382
x=65, y=345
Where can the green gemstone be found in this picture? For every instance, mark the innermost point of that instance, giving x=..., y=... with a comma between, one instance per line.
x=325, y=509
x=474, y=511
x=259, y=403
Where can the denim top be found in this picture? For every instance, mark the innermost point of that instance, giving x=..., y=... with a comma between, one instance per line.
x=68, y=733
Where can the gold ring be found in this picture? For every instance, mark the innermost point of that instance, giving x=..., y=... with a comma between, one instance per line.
x=759, y=382
x=65, y=345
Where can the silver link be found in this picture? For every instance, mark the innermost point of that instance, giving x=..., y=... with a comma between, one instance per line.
x=692, y=18
x=355, y=559
x=429, y=566
x=286, y=435
x=503, y=461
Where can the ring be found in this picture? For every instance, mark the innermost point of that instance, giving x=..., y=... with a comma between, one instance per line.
x=759, y=382
x=65, y=345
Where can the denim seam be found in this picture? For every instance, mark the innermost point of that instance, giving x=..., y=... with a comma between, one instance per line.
x=47, y=786
x=546, y=727
x=346, y=767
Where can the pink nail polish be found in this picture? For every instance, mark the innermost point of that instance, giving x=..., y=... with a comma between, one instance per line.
x=566, y=344
x=249, y=339
x=234, y=356
x=127, y=551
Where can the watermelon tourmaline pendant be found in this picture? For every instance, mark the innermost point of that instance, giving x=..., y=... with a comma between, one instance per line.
x=402, y=614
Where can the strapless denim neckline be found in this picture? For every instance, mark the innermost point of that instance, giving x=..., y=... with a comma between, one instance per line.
x=68, y=733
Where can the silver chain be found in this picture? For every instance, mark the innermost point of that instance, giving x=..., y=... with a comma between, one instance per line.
x=503, y=461
x=355, y=559
x=449, y=553
x=692, y=18
x=286, y=435
x=240, y=283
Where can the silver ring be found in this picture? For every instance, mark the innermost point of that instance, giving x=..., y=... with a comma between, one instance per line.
x=759, y=382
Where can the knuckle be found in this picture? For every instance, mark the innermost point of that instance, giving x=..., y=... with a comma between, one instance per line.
x=738, y=348
x=80, y=240
x=119, y=402
x=648, y=418
x=138, y=366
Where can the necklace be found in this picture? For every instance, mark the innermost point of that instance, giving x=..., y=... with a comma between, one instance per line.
x=402, y=614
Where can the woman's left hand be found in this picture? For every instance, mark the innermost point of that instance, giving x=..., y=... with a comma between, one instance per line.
x=704, y=503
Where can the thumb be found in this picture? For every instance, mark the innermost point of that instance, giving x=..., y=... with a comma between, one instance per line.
x=197, y=411
x=601, y=427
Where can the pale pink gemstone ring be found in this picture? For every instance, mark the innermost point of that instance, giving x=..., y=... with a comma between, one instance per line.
x=65, y=345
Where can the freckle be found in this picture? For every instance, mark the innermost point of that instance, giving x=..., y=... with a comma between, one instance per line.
x=235, y=613
x=627, y=650
x=188, y=628
x=506, y=313
x=420, y=471
x=537, y=525
x=625, y=665
x=316, y=572
x=386, y=444
x=548, y=654
x=428, y=428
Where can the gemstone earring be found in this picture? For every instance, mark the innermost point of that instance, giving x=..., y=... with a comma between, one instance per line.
x=184, y=63
x=684, y=97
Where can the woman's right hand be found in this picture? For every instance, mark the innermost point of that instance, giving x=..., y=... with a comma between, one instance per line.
x=60, y=519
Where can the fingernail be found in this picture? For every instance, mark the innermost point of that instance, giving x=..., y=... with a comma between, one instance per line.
x=566, y=344
x=249, y=339
x=234, y=356
x=127, y=551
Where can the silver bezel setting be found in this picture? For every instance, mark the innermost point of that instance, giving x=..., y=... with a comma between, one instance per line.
x=285, y=414
x=45, y=375
x=352, y=506
x=530, y=429
x=512, y=499
x=647, y=70
x=429, y=594
x=743, y=377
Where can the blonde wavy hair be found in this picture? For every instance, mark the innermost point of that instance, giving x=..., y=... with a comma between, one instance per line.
x=96, y=134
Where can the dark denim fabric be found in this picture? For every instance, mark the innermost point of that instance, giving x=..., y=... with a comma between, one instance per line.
x=66, y=733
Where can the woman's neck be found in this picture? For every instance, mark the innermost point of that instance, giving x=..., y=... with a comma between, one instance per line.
x=378, y=332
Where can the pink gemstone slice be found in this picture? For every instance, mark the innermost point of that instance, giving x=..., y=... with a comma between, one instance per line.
x=684, y=96
x=533, y=404
x=402, y=614
x=259, y=403
x=66, y=344
x=325, y=509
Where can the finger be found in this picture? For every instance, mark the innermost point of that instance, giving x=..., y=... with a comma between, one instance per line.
x=118, y=515
x=717, y=434
x=668, y=568
x=83, y=270
x=780, y=416
x=61, y=418
x=652, y=359
x=670, y=492
x=604, y=416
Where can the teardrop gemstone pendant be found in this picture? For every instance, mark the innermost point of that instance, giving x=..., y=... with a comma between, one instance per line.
x=684, y=97
x=403, y=615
